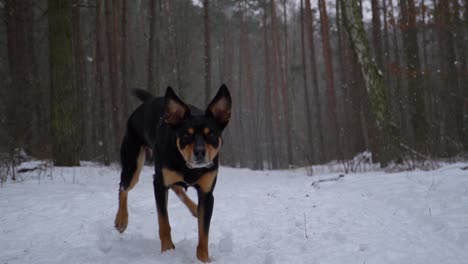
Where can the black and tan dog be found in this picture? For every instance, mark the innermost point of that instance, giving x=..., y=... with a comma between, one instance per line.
x=185, y=143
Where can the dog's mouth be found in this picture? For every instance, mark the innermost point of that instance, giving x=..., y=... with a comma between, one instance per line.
x=192, y=165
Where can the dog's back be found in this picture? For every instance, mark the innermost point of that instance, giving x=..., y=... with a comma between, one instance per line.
x=143, y=122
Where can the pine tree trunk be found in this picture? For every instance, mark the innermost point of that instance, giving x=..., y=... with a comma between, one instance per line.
x=104, y=120
x=22, y=67
x=285, y=91
x=270, y=132
x=123, y=65
x=397, y=100
x=388, y=139
x=320, y=142
x=64, y=99
x=113, y=76
x=415, y=89
x=461, y=97
x=310, y=156
x=329, y=76
x=84, y=114
x=376, y=32
x=151, y=47
x=207, y=59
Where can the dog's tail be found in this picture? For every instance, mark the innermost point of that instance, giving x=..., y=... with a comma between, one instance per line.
x=142, y=94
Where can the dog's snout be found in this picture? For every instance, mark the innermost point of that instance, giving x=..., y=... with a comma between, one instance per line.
x=199, y=151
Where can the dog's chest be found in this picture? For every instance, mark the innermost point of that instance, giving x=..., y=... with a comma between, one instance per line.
x=201, y=179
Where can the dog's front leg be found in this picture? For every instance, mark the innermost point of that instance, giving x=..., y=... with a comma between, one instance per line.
x=205, y=186
x=205, y=210
x=160, y=193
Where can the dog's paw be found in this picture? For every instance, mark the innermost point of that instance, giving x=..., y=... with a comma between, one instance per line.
x=167, y=245
x=202, y=254
x=121, y=221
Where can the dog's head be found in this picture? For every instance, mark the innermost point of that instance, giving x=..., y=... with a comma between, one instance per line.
x=198, y=135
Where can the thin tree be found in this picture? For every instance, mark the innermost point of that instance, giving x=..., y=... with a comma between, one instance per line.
x=123, y=58
x=103, y=134
x=153, y=39
x=320, y=141
x=270, y=131
x=63, y=100
x=308, y=113
x=415, y=89
x=376, y=31
x=329, y=76
x=207, y=59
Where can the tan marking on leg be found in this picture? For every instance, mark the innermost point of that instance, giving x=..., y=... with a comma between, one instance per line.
x=140, y=162
x=165, y=232
x=121, y=219
x=170, y=177
x=202, y=248
x=206, y=181
x=185, y=199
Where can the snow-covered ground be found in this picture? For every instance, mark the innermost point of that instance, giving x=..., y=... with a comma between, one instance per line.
x=259, y=217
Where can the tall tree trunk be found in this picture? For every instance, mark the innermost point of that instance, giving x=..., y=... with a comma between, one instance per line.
x=20, y=108
x=285, y=90
x=415, y=89
x=123, y=65
x=249, y=96
x=329, y=76
x=278, y=61
x=323, y=153
x=105, y=121
x=64, y=103
x=376, y=32
x=207, y=59
x=395, y=69
x=388, y=139
x=461, y=97
x=270, y=131
x=451, y=97
x=113, y=75
x=153, y=38
x=168, y=8
x=310, y=146
x=84, y=115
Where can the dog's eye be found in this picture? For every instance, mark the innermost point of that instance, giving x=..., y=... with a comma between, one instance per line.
x=187, y=136
x=211, y=136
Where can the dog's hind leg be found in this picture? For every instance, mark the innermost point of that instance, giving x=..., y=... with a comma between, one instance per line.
x=179, y=190
x=132, y=156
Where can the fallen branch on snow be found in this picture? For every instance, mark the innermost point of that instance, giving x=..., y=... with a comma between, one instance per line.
x=328, y=178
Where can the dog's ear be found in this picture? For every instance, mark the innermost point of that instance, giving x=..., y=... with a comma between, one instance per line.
x=175, y=111
x=220, y=106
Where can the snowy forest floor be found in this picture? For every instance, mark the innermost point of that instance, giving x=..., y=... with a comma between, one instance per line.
x=266, y=217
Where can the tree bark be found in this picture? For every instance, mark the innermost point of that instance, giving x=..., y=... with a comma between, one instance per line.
x=413, y=68
x=308, y=114
x=64, y=99
x=376, y=32
x=23, y=71
x=329, y=76
x=152, y=47
x=270, y=132
x=104, y=139
x=388, y=138
x=207, y=59
x=323, y=154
